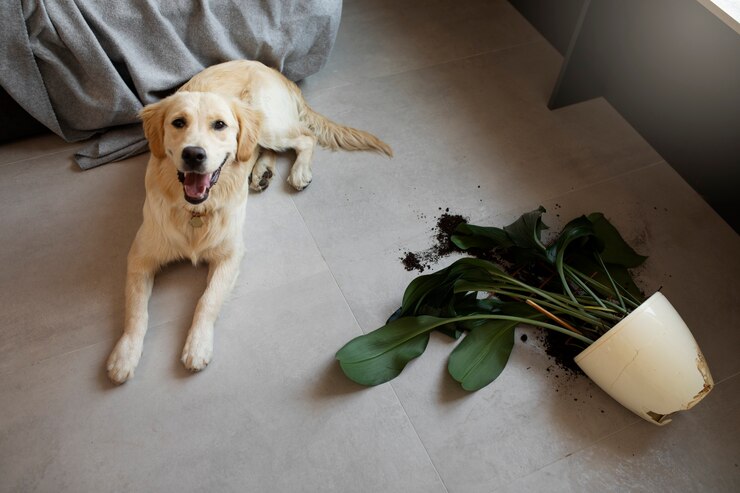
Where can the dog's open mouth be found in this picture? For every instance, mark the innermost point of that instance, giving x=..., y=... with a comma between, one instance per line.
x=196, y=186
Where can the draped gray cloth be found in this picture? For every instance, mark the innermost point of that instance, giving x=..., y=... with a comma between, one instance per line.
x=86, y=67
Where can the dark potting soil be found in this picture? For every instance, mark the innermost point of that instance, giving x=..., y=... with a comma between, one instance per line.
x=411, y=261
x=561, y=348
x=443, y=246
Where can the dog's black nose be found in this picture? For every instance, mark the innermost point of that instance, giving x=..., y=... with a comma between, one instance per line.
x=193, y=157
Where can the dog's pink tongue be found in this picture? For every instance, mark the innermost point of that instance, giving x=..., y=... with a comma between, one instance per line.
x=196, y=184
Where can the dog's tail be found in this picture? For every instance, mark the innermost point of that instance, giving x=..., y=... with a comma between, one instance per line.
x=335, y=136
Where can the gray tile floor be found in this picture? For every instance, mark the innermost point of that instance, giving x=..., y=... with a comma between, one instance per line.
x=459, y=91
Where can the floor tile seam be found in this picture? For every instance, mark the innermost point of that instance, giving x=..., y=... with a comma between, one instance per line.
x=233, y=297
x=40, y=156
x=602, y=181
x=10, y=371
x=357, y=323
x=728, y=377
x=418, y=437
x=582, y=188
x=636, y=422
x=185, y=318
x=326, y=264
x=406, y=240
x=638, y=169
x=319, y=92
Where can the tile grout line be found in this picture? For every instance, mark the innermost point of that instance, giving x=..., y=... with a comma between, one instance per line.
x=409, y=239
x=23, y=160
x=318, y=92
x=418, y=437
x=607, y=180
x=599, y=182
x=582, y=188
x=328, y=268
x=570, y=454
x=357, y=322
x=729, y=377
x=10, y=371
x=636, y=422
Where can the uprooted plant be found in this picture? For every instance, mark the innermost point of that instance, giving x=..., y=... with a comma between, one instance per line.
x=578, y=285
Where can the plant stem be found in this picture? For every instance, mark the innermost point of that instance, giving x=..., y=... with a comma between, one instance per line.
x=561, y=272
x=585, y=288
x=526, y=294
x=544, y=294
x=520, y=291
x=596, y=284
x=527, y=321
x=614, y=285
x=553, y=317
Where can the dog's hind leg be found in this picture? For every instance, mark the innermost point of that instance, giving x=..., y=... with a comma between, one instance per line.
x=300, y=174
x=263, y=170
x=222, y=274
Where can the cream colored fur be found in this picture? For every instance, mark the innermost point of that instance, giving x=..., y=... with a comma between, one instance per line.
x=287, y=121
x=261, y=111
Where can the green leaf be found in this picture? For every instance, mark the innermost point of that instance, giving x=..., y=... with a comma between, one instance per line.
x=435, y=290
x=521, y=239
x=470, y=304
x=482, y=355
x=419, y=289
x=488, y=238
x=619, y=273
x=579, y=228
x=381, y=355
x=622, y=277
x=464, y=286
x=526, y=232
x=616, y=250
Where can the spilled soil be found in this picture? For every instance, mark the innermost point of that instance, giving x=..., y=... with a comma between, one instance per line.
x=443, y=246
x=563, y=350
x=559, y=347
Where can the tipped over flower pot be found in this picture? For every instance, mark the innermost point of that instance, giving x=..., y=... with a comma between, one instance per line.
x=579, y=287
x=649, y=362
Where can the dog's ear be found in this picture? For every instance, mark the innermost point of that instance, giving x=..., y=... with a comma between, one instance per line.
x=152, y=117
x=250, y=123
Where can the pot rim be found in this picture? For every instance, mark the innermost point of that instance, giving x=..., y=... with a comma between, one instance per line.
x=619, y=326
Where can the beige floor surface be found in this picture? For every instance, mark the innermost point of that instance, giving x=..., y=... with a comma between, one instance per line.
x=459, y=89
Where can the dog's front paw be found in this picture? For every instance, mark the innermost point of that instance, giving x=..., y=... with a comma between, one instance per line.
x=124, y=358
x=300, y=178
x=198, y=350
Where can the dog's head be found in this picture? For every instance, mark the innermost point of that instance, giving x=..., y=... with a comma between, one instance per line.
x=200, y=132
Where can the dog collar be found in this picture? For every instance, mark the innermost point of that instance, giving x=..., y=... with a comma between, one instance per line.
x=196, y=218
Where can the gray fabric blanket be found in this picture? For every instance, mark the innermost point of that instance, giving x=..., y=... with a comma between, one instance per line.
x=86, y=67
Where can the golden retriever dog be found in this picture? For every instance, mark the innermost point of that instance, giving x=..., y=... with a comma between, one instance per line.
x=210, y=142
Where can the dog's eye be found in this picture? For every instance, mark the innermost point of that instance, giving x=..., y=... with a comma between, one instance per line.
x=178, y=122
x=219, y=125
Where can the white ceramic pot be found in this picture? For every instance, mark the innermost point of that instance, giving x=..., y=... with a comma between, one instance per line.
x=649, y=362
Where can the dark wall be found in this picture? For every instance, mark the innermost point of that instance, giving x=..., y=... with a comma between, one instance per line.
x=554, y=19
x=672, y=69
